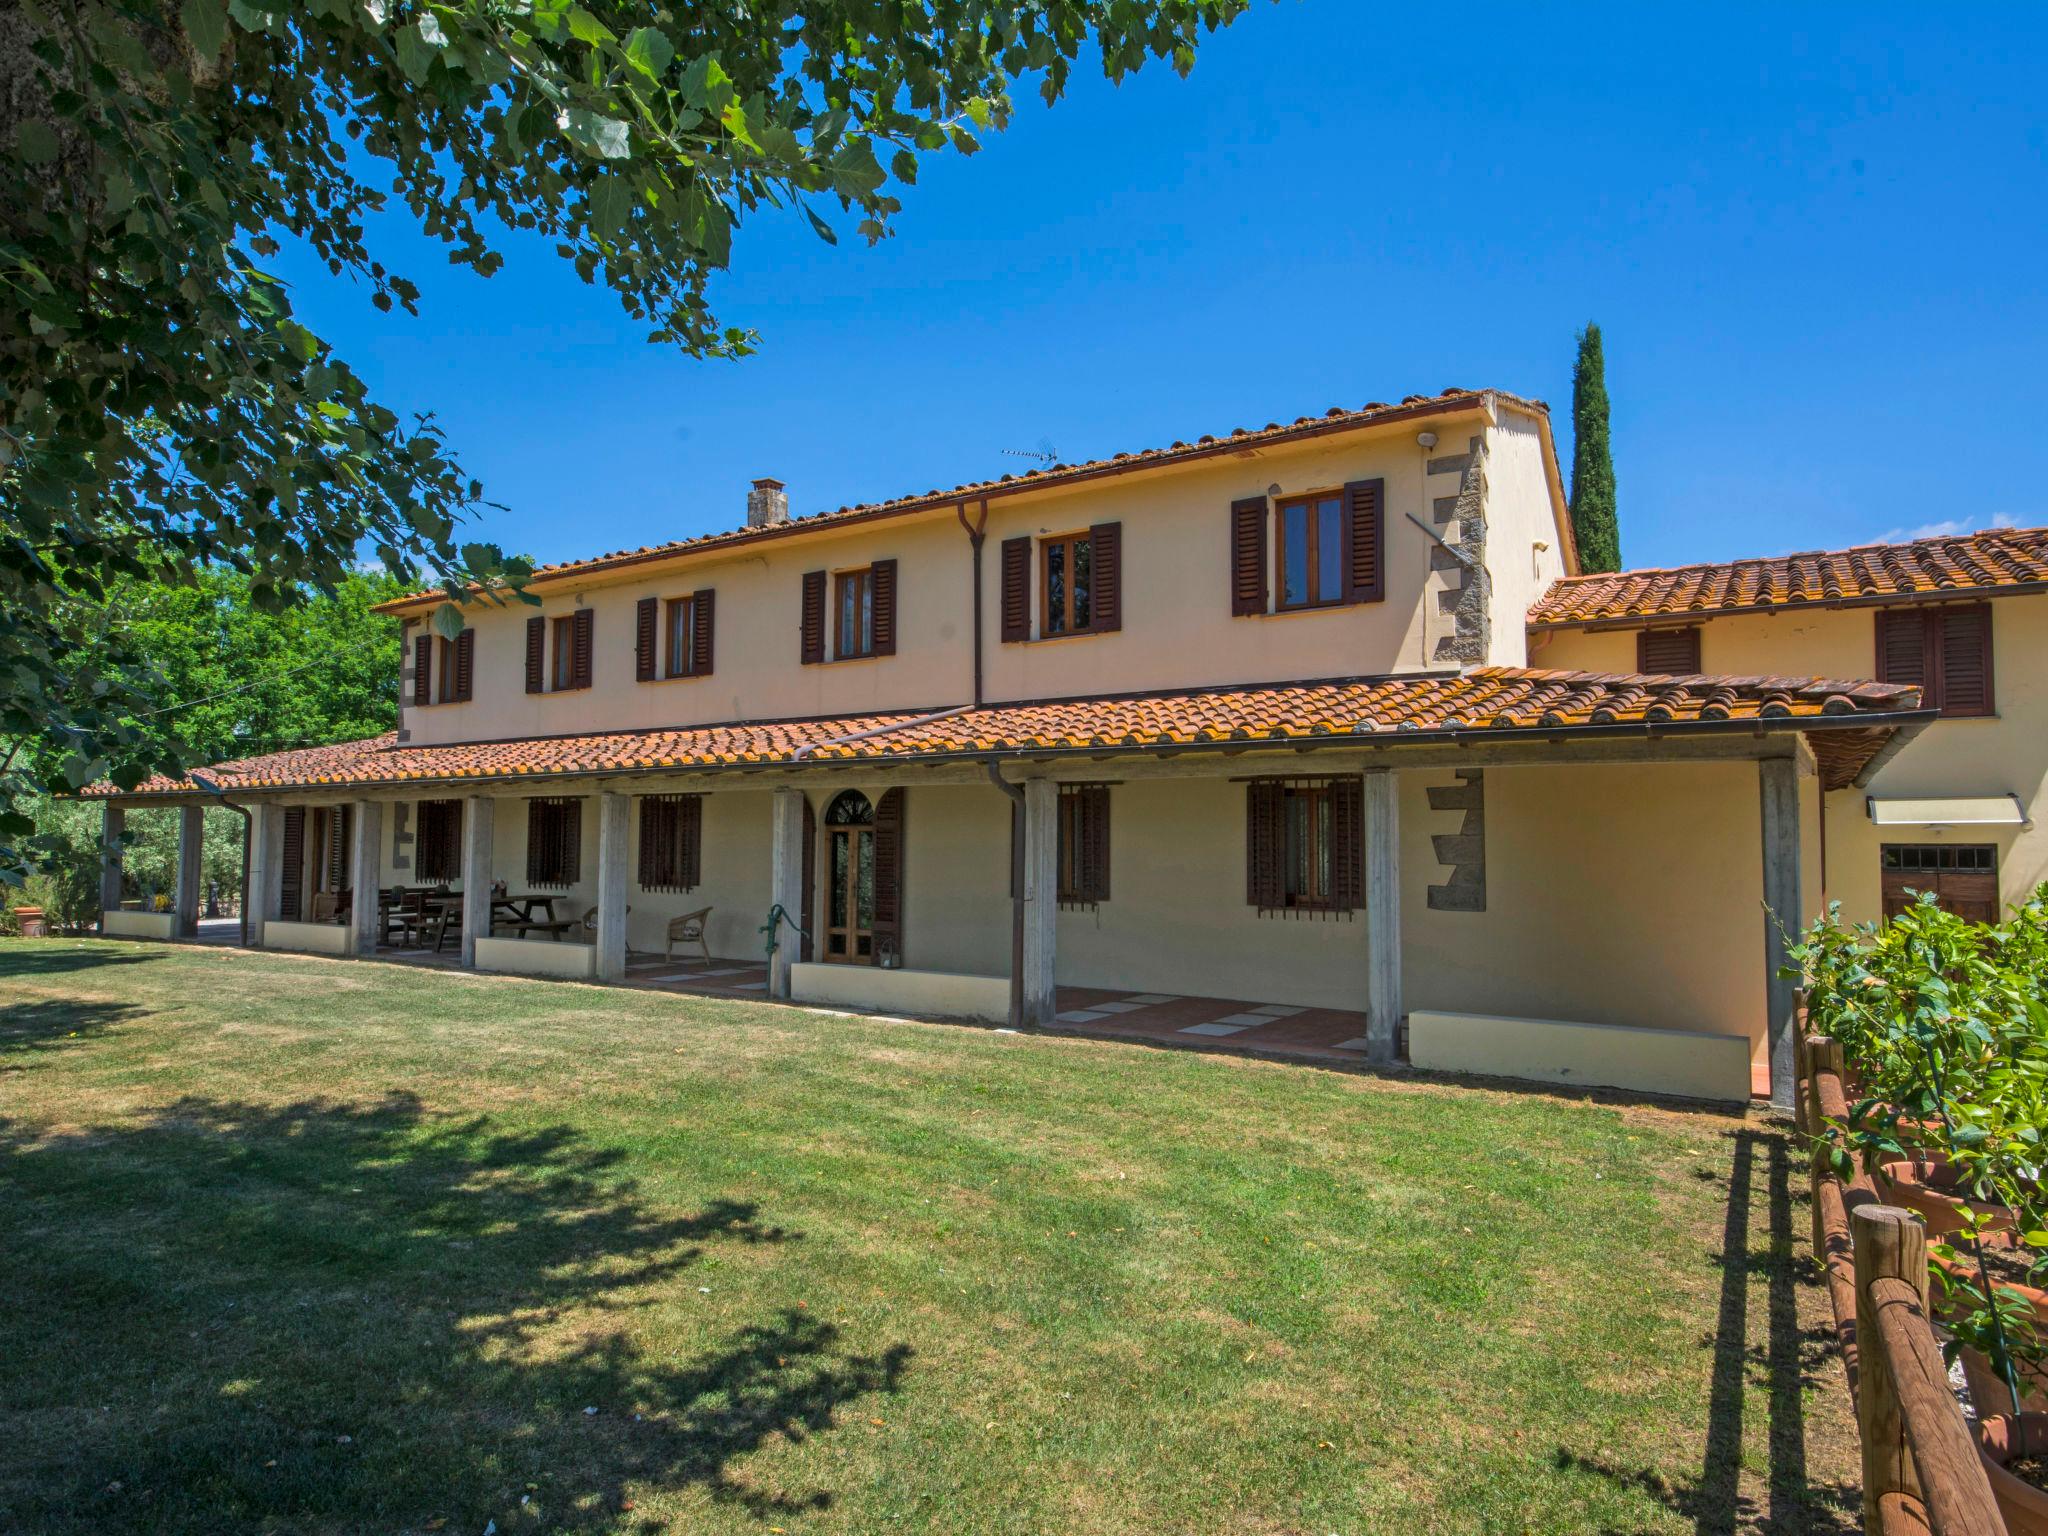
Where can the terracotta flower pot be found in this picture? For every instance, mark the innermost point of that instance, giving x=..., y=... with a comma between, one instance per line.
x=2022, y=1506
x=1927, y=1188
x=34, y=925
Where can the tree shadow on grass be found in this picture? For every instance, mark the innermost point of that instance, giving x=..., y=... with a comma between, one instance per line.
x=54, y=1024
x=1786, y=1362
x=34, y=957
x=338, y=1317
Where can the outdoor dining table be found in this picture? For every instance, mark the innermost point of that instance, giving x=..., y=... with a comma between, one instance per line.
x=517, y=913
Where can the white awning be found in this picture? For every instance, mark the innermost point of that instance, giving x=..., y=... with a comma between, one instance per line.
x=1962, y=811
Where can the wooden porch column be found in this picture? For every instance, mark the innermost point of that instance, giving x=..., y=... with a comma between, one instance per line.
x=266, y=869
x=113, y=822
x=614, y=823
x=786, y=877
x=1382, y=916
x=1784, y=901
x=1041, y=900
x=477, y=829
x=365, y=875
x=191, y=862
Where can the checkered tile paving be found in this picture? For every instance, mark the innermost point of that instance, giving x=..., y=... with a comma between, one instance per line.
x=1213, y=1023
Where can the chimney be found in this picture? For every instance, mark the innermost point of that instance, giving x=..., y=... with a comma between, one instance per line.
x=767, y=504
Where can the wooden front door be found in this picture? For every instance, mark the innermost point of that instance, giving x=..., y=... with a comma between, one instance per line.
x=850, y=880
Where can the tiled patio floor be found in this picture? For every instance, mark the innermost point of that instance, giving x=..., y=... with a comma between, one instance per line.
x=1214, y=1023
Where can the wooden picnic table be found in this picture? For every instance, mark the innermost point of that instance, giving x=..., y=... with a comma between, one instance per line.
x=517, y=913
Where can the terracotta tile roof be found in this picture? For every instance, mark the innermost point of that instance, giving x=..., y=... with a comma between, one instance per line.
x=1491, y=699
x=1994, y=560
x=1336, y=418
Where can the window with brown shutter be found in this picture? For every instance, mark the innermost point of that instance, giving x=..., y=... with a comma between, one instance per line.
x=292, y=874
x=1305, y=845
x=536, y=654
x=554, y=841
x=1066, y=602
x=813, y=622
x=1016, y=594
x=671, y=842
x=1365, y=537
x=1312, y=551
x=563, y=637
x=1248, y=556
x=1668, y=652
x=1943, y=651
x=465, y=666
x=645, y=617
x=1108, y=541
x=437, y=840
x=853, y=633
x=583, y=641
x=422, y=669
x=702, y=615
x=454, y=668
x=1961, y=877
x=1083, y=844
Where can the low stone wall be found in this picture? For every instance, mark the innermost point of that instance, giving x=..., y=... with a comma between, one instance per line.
x=307, y=938
x=139, y=925
x=871, y=989
x=537, y=957
x=1679, y=1062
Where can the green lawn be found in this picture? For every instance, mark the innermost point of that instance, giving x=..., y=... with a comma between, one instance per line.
x=293, y=1245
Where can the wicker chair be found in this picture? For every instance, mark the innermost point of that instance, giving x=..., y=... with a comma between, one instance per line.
x=689, y=929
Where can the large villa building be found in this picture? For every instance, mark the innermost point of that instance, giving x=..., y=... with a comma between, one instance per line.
x=1302, y=735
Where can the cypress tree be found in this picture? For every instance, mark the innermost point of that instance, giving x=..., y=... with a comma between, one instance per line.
x=1594, y=524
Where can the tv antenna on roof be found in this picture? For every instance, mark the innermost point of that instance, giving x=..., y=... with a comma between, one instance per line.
x=1045, y=453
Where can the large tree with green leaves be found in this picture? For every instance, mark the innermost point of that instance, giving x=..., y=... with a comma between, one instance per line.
x=1595, y=526
x=160, y=406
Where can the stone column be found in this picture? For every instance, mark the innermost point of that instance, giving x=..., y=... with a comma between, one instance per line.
x=266, y=869
x=113, y=822
x=365, y=875
x=191, y=866
x=1382, y=916
x=614, y=822
x=1784, y=902
x=786, y=877
x=1041, y=900
x=477, y=878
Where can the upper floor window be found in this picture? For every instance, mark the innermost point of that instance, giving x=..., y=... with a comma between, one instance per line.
x=1327, y=548
x=572, y=637
x=862, y=620
x=443, y=670
x=673, y=640
x=1668, y=652
x=1080, y=584
x=1943, y=651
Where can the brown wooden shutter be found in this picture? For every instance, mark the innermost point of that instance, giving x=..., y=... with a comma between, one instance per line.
x=653, y=860
x=1265, y=844
x=701, y=610
x=691, y=841
x=294, y=864
x=813, y=618
x=646, y=626
x=423, y=669
x=889, y=869
x=1965, y=650
x=1902, y=648
x=1668, y=652
x=807, y=903
x=339, y=825
x=1094, y=883
x=1248, y=556
x=884, y=578
x=1016, y=603
x=536, y=648
x=465, y=666
x=1347, y=844
x=581, y=647
x=1365, y=538
x=1106, y=602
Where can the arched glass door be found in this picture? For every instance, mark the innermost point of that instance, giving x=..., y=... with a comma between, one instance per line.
x=850, y=880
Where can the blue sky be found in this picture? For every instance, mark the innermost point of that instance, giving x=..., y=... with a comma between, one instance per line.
x=1815, y=246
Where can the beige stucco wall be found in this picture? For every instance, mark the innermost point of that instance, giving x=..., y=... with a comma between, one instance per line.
x=2004, y=754
x=1524, y=550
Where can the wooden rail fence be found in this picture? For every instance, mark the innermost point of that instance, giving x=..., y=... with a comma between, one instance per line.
x=1921, y=1472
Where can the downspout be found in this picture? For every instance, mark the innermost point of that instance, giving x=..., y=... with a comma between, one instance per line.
x=248, y=835
x=975, y=532
x=1016, y=794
